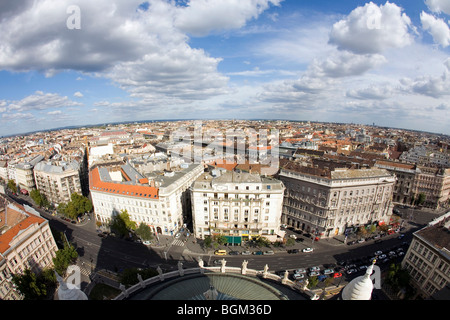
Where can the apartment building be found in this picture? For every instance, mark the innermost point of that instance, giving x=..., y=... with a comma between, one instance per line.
x=434, y=183
x=58, y=180
x=24, y=173
x=331, y=202
x=160, y=200
x=428, y=258
x=238, y=205
x=26, y=242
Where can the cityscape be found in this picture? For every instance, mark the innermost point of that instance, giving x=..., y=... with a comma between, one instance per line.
x=150, y=161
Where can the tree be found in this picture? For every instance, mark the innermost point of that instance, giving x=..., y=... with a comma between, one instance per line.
x=77, y=206
x=144, y=232
x=12, y=186
x=122, y=223
x=35, y=287
x=64, y=258
x=39, y=198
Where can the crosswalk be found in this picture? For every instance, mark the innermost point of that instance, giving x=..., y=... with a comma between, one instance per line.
x=178, y=242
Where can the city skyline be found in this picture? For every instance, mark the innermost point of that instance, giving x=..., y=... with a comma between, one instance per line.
x=75, y=63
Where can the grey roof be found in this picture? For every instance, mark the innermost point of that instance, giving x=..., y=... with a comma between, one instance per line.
x=53, y=168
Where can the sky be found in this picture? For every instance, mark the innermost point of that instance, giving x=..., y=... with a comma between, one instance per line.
x=82, y=62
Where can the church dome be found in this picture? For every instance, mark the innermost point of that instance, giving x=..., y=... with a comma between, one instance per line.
x=359, y=288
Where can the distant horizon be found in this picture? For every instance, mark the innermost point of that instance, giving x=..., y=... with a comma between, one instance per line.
x=75, y=127
x=70, y=63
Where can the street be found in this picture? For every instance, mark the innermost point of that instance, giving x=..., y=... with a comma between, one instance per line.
x=110, y=253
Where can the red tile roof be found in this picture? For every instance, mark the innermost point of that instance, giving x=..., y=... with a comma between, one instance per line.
x=9, y=235
x=132, y=190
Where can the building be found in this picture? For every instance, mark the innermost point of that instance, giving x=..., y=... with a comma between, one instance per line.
x=26, y=242
x=434, y=184
x=160, y=200
x=428, y=258
x=238, y=205
x=24, y=173
x=405, y=173
x=58, y=180
x=329, y=203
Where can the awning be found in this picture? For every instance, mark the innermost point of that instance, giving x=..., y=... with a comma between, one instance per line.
x=233, y=239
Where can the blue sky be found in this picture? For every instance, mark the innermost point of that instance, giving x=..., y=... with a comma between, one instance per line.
x=351, y=61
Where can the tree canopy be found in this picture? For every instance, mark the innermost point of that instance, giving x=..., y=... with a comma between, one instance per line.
x=76, y=206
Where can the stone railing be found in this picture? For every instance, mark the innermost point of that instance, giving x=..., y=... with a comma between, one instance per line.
x=126, y=292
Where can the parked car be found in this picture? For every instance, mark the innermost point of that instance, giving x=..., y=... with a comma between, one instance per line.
x=293, y=236
x=337, y=275
x=314, y=269
x=147, y=243
x=352, y=270
x=246, y=253
x=269, y=252
x=258, y=253
x=322, y=277
x=233, y=253
x=291, y=251
x=298, y=276
x=301, y=270
x=220, y=252
x=313, y=274
x=308, y=250
x=328, y=271
x=378, y=253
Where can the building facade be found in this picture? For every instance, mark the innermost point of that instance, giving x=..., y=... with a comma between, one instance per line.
x=160, y=201
x=428, y=258
x=26, y=242
x=58, y=180
x=239, y=205
x=328, y=203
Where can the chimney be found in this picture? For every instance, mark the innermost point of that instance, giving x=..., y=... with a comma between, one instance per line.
x=152, y=183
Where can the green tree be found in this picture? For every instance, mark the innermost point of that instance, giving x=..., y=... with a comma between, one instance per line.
x=122, y=223
x=39, y=198
x=64, y=258
x=12, y=186
x=129, y=277
x=144, y=232
x=76, y=206
x=207, y=242
x=35, y=287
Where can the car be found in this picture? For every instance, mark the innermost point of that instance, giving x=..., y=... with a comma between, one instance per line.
x=269, y=252
x=352, y=270
x=362, y=267
x=298, y=276
x=361, y=240
x=246, y=253
x=322, y=277
x=381, y=257
x=392, y=254
x=378, y=253
x=258, y=253
x=293, y=236
x=313, y=274
x=291, y=251
x=220, y=252
x=233, y=253
x=147, y=243
x=401, y=236
x=217, y=262
x=299, y=239
x=177, y=235
x=308, y=250
x=337, y=275
x=301, y=270
x=328, y=271
x=314, y=269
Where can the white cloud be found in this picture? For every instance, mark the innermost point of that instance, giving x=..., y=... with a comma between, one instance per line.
x=41, y=101
x=199, y=17
x=432, y=86
x=372, y=29
x=438, y=28
x=78, y=94
x=438, y=6
x=345, y=64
